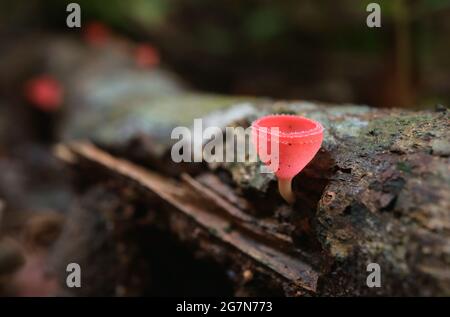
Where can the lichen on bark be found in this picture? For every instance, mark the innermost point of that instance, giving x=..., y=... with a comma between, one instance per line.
x=378, y=191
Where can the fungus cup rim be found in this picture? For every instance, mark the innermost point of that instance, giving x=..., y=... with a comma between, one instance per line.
x=316, y=130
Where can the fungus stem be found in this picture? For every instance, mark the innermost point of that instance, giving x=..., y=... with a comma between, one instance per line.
x=285, y=188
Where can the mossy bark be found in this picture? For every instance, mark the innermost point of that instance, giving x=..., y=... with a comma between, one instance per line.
x=378, y=191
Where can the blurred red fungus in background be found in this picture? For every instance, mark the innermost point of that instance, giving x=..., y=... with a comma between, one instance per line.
x=44, y=92
x=146, y=55
x=96, y=33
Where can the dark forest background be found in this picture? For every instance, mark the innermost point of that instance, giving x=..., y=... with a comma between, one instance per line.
x=308, y=49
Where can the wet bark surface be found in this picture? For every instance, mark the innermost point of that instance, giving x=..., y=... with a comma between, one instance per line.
x=378, y=191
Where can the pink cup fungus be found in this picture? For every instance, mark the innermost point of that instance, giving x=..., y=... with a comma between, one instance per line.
x=96, y=34
x=146, y=56
x=44, y=92
x=297, y=138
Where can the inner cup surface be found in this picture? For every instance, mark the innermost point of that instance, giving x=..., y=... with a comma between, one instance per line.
x=289, y=125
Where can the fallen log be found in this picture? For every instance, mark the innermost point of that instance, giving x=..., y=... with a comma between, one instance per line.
x=377, y=192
